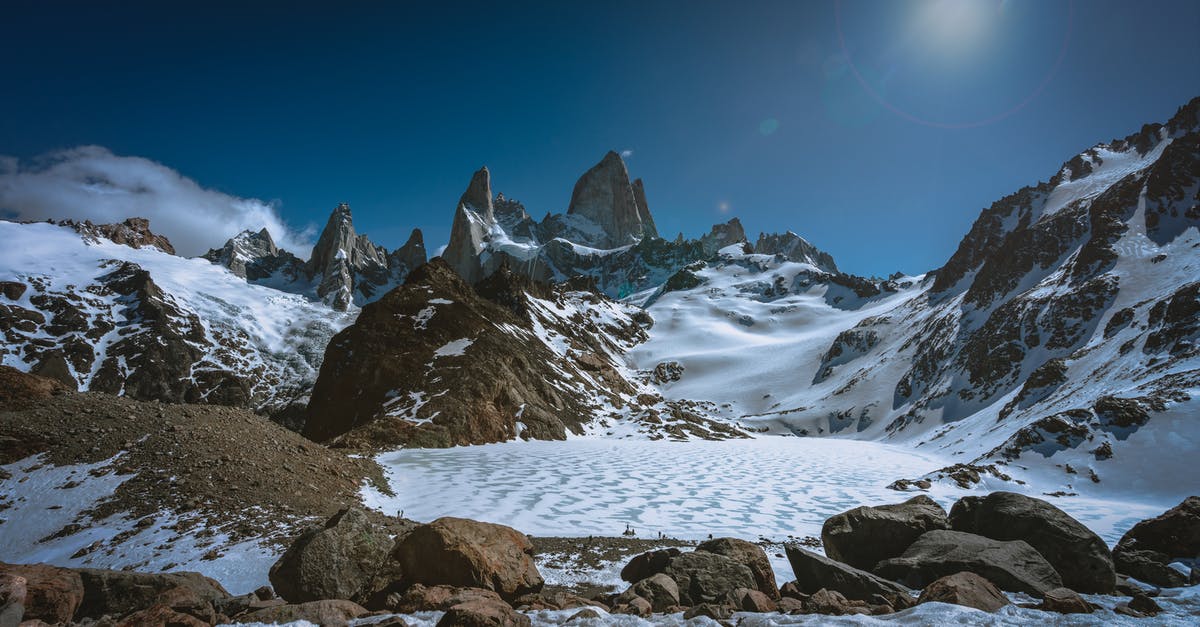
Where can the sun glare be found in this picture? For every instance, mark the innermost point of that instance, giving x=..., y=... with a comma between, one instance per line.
x=954, y=26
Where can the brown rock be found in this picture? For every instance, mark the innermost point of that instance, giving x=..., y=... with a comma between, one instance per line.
x=788, y=605
x=792, y=590
x=832, y=602
x=581, y=615
x=422, y=598
x=22, y=386
x=865, y=536
x=647, y=564
x=52, y=594
x=660, y=590
x=161, y=615
x=715, y=611
x=748, y=554
x=1144, y=604
x=1065, y=601
x=12, y=290
x=324, y=612
x=966, y=589
x=118, y=592
x=12, y=599
x=339, y=560
x=636, y=606
x=483, y=614
x=470, y=554
x=753, y=601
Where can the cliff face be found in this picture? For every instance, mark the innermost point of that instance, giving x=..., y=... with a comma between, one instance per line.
x=605, y=196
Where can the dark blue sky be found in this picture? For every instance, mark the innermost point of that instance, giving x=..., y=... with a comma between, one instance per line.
x=746, y=109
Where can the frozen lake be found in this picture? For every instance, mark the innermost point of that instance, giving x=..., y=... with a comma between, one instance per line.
x=771, y=486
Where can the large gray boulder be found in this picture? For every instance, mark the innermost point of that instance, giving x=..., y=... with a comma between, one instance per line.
x=707, y=577
x=865, y=536
x=1080, y=556
x=340, y=560
x=815, y=572
x=469, y=554
x=750, y=555
x=1014, y=566
x=1145, y=551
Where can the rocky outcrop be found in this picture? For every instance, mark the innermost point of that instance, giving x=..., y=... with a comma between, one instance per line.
x=1013, y=566
x=966, y=589
x=133, y=232
x=483, y=614
x=1080, y=556
x=795, y=248
x=707, y=577
x=1065, y=601
x=865, y=536
x=815, y=572
x=347, y=558
x=22, y=387
x=605, y=196
x=473, y=221
x=1145, y=551
x=439, y=363
x=51, y=594
x=723, y=235
x=324, y=612
x=639, y=199
x=467, y=553
x=254, y=257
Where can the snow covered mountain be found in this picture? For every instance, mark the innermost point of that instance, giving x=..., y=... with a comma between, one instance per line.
x=1062, y=333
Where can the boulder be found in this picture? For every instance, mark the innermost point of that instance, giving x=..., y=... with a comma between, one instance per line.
x=16, y=385
x=582, y=615
x=1065, y=601
x=749, y=600
x=1144, y=604
x=323, y=612
x=1152, y=544
x=52, y=594
x=1012, y=565
x=161, y=615
x=121, y=592
x=470, y=554
x=1080, y=556
x=421, y=598
x=815, y=572
x=483, y=614
x=715, y=611
x=865, y=536
x=660, y=590
x=635, y=606
x=552, y=600
x=647, y=564
x=707, y=577
x=337, y=561
x=12, y=599
x=966, y=589
x=748, y=554
x=1148, y=566
x=834, y=603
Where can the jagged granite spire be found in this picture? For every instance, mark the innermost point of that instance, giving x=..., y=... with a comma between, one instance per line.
x=411, y=254
x=605, y=196
x=794, y=248
x=639, y=198
x=473, y=220
x=341, y=254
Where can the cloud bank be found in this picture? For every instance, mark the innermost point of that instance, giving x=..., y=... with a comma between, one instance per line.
x=92, y=183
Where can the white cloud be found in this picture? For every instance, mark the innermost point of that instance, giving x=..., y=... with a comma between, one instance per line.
x=625, y=154
x=91, y=183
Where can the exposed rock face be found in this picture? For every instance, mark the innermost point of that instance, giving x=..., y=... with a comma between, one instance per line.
x=967, y=589
x=439, y=363
x=723, y=235
x=337, y=561
x=17, y=386
x=639, y=198
x=707, y=577
x=422, y=598
x=1080, y=556
x=325, y=612
x=1013, y=566
x=340, y=255
x=1065, y=601
x=794, y=248
x=815, y=572
x=865, y=536
x=469, y=234
x=467, y=553
x=605, y=196
x=748, y=554
x=118, y=592
x=483, y=614
x=660, y=590
x=254, y=257
x=133, y=232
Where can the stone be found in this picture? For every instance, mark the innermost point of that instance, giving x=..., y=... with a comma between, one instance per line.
x=121, y=592
x=12, y=599
x=161, y=615
x=483, y=614
x=469, y=554
x=422, y=598
x=715, y=611
x=1011, y=565
x=707, y=577
x=966, y=589
x=323, y=612
x=1081, y=557
x=634, y=605
x=582, y=615
x=339, y=560
x=647, y=564
x=1144, y=604
x=788, y=605
x=865, y=536
x=1065, y=601
x=748, y=554
x=815, y=572
x=22, y=386
x=749, y=600
x=52, y=594
x=834, y=603
x=1149, y=566
x=659, y=589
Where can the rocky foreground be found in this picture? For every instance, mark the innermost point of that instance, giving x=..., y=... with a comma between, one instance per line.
x=878, y=560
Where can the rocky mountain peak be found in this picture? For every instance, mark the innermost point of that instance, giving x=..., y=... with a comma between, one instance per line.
x=605, y=196
x=340, y=256
x=723, y=235
x=253, y=255
x=794, y=248
x=412, y=254
x=473, y=221
x=478, y=196
x=133, y=232
x=639, y=198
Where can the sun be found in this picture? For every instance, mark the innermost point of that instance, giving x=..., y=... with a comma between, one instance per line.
x=954, y=26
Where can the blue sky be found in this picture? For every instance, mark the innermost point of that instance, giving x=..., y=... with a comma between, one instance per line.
x=730, y=109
